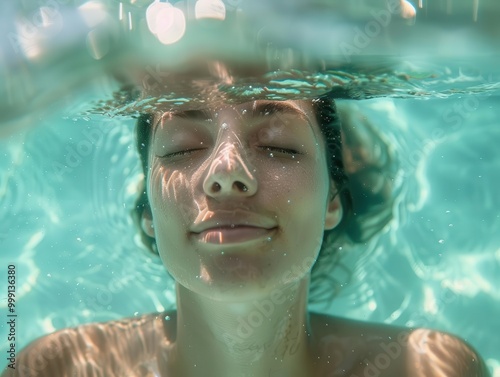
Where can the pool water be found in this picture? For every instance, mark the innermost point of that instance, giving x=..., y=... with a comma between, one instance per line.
x=437, y=265
x=69, y=180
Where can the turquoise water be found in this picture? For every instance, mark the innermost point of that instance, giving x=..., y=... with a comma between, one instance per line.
x=437, y=265
x=68, y=181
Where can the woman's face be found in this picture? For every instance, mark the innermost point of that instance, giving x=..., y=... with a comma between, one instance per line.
x=240, y=196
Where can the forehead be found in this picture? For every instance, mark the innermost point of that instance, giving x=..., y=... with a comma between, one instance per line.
x=290, y=109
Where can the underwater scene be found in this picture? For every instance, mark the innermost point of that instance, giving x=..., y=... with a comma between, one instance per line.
x=417, y=91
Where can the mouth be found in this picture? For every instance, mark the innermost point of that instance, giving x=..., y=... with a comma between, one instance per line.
x=233, y=234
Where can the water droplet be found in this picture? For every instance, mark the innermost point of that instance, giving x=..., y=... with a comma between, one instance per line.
x=49, y=275
x=136, y=313
x=271, y=155
x=222, y=253
x=289, y=201
x=284, y=254
x=244, y=111
x=167, y=318
x=78, y=239
x=441, y=241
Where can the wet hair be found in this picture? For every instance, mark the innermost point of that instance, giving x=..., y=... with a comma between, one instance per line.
x=359, y=203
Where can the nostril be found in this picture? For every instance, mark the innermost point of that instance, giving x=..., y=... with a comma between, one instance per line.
x=238, y=185
x=241, y=186
x=216, y=186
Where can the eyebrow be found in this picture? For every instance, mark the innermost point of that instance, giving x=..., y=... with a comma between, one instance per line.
x=202, y=114
x=276, y=107
x=259, y=108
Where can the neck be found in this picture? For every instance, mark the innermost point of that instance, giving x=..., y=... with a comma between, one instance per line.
x=267, y=336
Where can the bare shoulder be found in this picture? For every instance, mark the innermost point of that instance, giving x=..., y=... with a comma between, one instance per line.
x=355, y=348
x=435, y=353
x=111, y=348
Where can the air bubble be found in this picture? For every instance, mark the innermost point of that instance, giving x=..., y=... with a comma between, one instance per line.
x=441, y=241
x=224, y=126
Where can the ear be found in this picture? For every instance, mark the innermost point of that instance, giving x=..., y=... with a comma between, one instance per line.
x=147, y=221
x=334, y=209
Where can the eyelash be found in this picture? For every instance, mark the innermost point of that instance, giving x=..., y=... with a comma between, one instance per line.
x=267, y=148
x=180, y=153
x=282, y=150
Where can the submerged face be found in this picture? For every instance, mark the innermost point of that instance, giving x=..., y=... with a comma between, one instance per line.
x=240, y=196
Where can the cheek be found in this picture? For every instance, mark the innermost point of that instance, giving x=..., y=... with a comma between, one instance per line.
x=171, y=200
x=170, y=197
x=303, y=188
x=306, y=207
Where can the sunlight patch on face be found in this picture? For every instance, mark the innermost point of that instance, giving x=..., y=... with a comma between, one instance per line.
x=203, y=215
x=228, y=157
x=205, y=275
x=176, y=183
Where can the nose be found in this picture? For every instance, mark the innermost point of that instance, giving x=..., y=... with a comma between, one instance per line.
x=230, y=174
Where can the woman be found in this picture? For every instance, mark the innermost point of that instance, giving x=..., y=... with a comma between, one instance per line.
x=240, y=200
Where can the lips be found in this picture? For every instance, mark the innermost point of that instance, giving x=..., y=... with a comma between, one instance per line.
x=236, y=234
x=232, y=227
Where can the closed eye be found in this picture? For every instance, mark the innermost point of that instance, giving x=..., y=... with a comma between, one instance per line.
x=281, y=150
x=267, y=148
x=181, y=153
